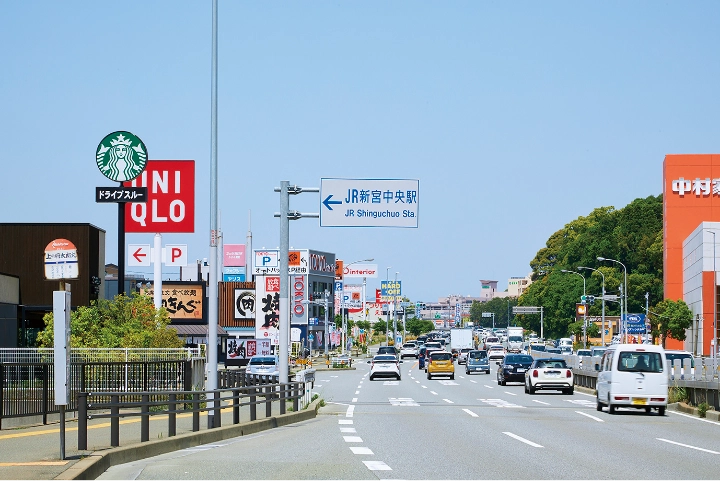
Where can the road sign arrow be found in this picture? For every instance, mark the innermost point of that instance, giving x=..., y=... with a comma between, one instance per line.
x=137, y=254
x=327, y=202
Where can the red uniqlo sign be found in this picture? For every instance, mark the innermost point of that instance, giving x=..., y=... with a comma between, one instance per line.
x=170, y=205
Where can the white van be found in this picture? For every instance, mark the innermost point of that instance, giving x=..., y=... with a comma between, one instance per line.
x=565, y=341
x=634, y=376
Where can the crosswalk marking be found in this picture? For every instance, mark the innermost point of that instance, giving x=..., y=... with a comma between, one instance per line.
x=582, y=402
x=402, y=401
x=360, y=450
x=446, y=382
x=500, y=403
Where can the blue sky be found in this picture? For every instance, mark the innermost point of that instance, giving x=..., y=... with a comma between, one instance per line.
x=516, y=117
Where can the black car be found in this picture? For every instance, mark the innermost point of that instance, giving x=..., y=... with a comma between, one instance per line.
x=513, y=368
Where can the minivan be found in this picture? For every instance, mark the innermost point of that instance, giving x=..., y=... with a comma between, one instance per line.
x=633, y=376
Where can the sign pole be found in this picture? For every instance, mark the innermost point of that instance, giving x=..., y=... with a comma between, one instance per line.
x=157, y=271
x=121, y=247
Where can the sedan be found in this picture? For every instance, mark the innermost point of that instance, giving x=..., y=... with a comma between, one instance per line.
x=549, y=373
x=384, y=365
x=513, y=368
x=496, y=352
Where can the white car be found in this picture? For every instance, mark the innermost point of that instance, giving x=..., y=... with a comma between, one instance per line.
x=496, y=352
x=409, y=349
x=549, y=373
x=680, y=356
x=384, y=365
x=263, y=365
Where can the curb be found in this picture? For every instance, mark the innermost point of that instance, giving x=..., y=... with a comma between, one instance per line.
x=95, y=464
x=688, y=409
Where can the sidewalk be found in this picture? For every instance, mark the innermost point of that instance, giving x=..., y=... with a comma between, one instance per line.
x=34, y=452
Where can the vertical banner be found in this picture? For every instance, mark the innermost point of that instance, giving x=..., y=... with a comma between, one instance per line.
x=268, y=308
x=298, y=293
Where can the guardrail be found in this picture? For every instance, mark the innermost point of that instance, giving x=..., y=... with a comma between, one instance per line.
x=114, y=406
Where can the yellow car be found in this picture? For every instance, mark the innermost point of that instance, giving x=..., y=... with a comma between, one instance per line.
x=441, y=364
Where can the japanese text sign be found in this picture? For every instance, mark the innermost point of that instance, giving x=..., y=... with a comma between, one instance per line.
x=182, y=301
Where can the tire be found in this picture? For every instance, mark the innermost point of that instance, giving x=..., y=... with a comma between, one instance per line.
x=611, y=408
x=526, y=389
x=399, y=378
x=598, y=404
x=467, y=372
x=531, y=389
x=429, y=376
x=371, y=378
x=452, y=377
x=570, y=391
x=661, y=410
x=648, y=409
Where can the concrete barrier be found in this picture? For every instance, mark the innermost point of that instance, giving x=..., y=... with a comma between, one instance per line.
x=97, y=463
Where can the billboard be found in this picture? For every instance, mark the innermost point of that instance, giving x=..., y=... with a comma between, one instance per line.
x=267, y=312
x=267, y=262
x=298, y=294
x=234, y=255
x=361, y=270
x=247, y=348
x=390, y=290
x=170, y=205
x=184, y=301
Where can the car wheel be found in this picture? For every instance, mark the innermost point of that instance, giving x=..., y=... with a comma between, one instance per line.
x=531, y=389
x=611, y=408
x=452, y=376
x=648, y=409
x=399, y=378
x=598, y=404
x=429, y=376
x=526, y=389
x=661, y=410
x=371, y=378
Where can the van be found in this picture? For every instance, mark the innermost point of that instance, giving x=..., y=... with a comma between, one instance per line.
x=633, y=376
x=565, y=341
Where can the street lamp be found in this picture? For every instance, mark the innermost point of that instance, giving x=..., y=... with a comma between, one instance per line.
x=624, y=299
x=344, y=336
x=602, y=336
x=585, y=313
x=714, y=338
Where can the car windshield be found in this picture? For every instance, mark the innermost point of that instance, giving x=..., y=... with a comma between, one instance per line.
x=537, y=348
x=583, y=352
x=492, y=339
x=441, y=356
x=551, y=364
x=433, y=345
x=477, y=355
x=518, y=359
x=634, y=361
x=262, y=361
x=671, y=357
x=515, y=339
x=408, y=346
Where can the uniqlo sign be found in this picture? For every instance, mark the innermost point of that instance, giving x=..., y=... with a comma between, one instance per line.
x=170, y=206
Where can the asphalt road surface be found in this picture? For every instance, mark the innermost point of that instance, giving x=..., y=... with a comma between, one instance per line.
x=467, y=428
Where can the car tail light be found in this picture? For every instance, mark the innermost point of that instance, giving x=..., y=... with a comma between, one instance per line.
x=658, y=399
x=568, y=373
x=535, y=373
x=622, y=398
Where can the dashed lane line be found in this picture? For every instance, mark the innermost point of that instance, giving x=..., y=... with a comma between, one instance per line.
x=377, y=466
x=361, y=450
x=470, y=413
x=523, y=440
x=448, y=401
x=687, y=446
x=590, y=416
x=352, y=439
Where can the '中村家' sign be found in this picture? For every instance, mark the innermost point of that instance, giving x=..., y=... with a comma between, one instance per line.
x=170, y=203
x=183, y=301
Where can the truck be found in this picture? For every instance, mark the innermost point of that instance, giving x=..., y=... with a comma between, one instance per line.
x=461, y=339
x=515, y=339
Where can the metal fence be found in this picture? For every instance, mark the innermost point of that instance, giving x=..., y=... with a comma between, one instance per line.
x=38, y=355
x=28, y=387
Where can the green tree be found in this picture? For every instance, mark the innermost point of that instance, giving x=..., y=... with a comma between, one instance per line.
x=417, y=326
x=124, y=322
x=500, y=306
x=670, y=319
x=380, y=326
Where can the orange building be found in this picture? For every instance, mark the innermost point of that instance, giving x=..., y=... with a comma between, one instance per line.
x=691, y=206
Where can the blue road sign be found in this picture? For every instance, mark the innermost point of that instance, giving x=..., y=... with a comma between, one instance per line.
x=369, y=202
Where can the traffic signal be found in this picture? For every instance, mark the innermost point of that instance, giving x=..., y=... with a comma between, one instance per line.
x=591, y=299
x=583, y=299
x=581, y=309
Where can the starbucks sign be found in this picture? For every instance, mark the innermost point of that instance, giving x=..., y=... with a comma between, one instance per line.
x=121, y=156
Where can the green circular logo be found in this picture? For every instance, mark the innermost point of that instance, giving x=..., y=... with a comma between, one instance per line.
x=121, y=156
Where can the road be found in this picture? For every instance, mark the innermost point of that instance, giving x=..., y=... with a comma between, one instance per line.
x=467, y=428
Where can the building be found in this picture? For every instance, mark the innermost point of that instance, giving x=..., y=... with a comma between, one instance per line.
x=518, y=285
x=691, y=217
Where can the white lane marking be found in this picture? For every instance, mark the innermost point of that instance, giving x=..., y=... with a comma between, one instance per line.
x=473, y=381
x=515, y=436
x=359, y=386
x=354, y=400
x=489, y=387
x=324, y=380
x=591, y=417
x=333, y=376
x=540, y=402
x=391, y=383
x=348, y=430
x=377, y=466
x=345, y=421
x=357, y=392
x=433, y=392
x=511, y=393
x=501, y=403
x=687, y=446
x=470, y=413
x=424, y=387
x=318, y=385
x=349, y=412
x=352, y=439
x=461, y=377
x=448, y=401
x=360, y=450
x=448, y=383
x=582, y=402
x=585, y=394
x=694, y=417
x=402, y=401
x=417, y=382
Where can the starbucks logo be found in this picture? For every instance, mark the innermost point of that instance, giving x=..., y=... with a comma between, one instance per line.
x=121, y=156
